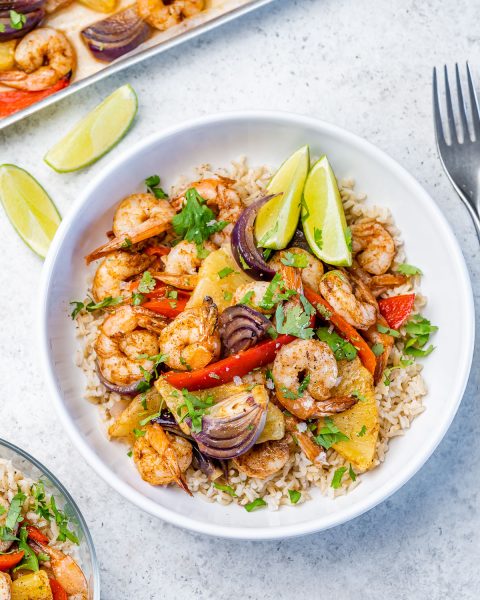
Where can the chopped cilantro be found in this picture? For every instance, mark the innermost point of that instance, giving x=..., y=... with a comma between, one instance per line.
x=275, y=292
x=317, y=236
x=247, y=298
x=351, y=473
x=3, y=510
x=138, y=433
x=225, y=488
x=147, y=283
x=92, y=306
x=195, y=407
x=127, y=242
x=406, y=269
x=173, y=294
x=137, y=298
x=378, y=349
x=330, y=434
x=348, y=238
x=286, y=393
x=243, y=263
x=227, y=296
x=303, y=386
x=418, y=330
x=146, y=420
x=14, y=510
x=341, y=348
x=337, y=477
x=61, y=519
x=29, y=561
x=129, y=453
x=152, y=184
x=382, y=329
x=17, y=20
x=291, y=259
x=362, y=431
x=295, y=496
x=267, y=253
x=196, y=221
x=325, y=313
x=225, y=272
x=359, y=396
x=257, y=503
x=404, y=362
x=295, y=321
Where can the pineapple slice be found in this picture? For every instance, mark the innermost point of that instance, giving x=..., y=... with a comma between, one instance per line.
x=139, y=408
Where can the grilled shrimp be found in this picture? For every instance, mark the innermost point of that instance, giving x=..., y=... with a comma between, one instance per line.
x=376, y=337
x=125, y=334
x=311, y=274
x=5, y=586
x=52, y=6
x=115, y=269
x=182, y=264
x=263, y=460
x=137, y=218
x=163, y=15
x=191, y=340
x=252, y=294
x=65, y=569
x=377, y=284
x=161, y=457
x=219, y=193
x=43, y=56
x=304, y=373
x=354, y=303
x=373, y=246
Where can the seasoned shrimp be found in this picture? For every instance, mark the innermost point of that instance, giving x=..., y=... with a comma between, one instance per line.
x=377, y=284
x=5, y=586
x=43, y=56
x=311, y=274
x=162, y=15
x=308, y=366
x=191, y=340
x=182, y=264
x=161, y=457
x=304, y=438
x=386, y=341
x=263, y=460
x=373, y=246
x=52, y=6
x=65, y=569
x=354, y=303
x=114, y=270
x=125, y=334
x=252, y=294
x=137, y=218
x=219, y=193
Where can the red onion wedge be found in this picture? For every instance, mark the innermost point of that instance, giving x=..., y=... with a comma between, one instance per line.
x=116, y=35
x=232, y=426
x=128, y=390
x=7, y=32
x=244, y=246
x=241, y=327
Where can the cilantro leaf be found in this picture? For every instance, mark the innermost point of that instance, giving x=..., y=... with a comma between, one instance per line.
x=196, y=221
x=348, y=238
x=352, y=473
x=147, y=283
x=418, y=330
x=61, y=520
x=225, y=272
x=337, y=478
x=378, y=349
x=341, y=348
x=152, y=184
x=225, y=488
x=227, y=296
x=362, y=431
x=275, y=292
x=17, y=20
x=291, y=259
x=29, y=561
x=14, y=510
x=257, y=503
x=293, y=321
x=406, y=269
x=382, y=329
x=318, y=237
x=195, y=407
x=295, y=496
x=360, y=397
x=330, y=434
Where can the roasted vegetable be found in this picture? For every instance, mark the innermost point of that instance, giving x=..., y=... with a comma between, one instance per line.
x=242, y=327
x=274, y=425
x=359, y=423
x=139, y=408
x=34, y=586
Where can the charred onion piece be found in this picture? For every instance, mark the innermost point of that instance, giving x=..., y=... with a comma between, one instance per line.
x=33, y=17
x=232, y=426
x=116, y=35
x=241, y=327
x=244, y=247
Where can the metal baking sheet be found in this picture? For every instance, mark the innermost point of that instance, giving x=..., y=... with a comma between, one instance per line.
x=189, y=29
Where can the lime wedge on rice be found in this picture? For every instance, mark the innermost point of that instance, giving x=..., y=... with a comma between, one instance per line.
x=29, y=208
x=323, y=218
x=95, y=134
x=277, y=220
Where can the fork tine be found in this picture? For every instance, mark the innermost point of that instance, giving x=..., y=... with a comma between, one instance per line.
x=436, y=111
x=450, y=117
x=461, y=105
x=474, y=104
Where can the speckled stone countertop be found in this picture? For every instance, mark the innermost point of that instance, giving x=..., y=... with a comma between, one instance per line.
x=366, y=66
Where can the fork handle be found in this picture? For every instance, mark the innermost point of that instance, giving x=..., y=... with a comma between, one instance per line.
x=473, y=213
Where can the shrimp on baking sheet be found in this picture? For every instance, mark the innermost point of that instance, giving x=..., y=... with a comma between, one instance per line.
x=372, y=246
x=192, y=340
x=350, y=298
x=162, y=14
x=137, y=218
x=43, y=56
x=161, y=457
x=304, y=372
x=114, y=270
x=218, y=193
x=125, y=335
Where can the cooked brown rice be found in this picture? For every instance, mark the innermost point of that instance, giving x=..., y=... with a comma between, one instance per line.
x=399, y=403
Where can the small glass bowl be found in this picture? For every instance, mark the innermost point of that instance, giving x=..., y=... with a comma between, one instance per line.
x=32, y=469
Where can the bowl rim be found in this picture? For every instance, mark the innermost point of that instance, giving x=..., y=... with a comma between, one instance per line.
x=85, y=530
x=278, y=531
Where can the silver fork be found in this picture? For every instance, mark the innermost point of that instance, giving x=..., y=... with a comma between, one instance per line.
x=460, y=156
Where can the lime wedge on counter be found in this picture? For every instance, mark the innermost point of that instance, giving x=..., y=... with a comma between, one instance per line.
x=95, y=134
x=277, y=220
x=323, y=218
x=29, y=208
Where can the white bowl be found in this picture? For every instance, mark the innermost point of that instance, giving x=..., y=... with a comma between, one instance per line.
x=266, y=138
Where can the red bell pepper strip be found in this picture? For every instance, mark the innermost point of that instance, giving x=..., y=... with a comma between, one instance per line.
x=166, y=307
x=364, y=352
x=8, y=561
x=58, y=592
x=225, y=370
x=396, y=309
x=12, y=102
x=36, y=535
x=158, y=250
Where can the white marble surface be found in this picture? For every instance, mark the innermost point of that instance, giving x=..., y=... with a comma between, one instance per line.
x=364, y=65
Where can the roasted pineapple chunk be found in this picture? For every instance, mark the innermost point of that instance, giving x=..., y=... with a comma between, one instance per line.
x=359, y=423
x=34, y=586
x=139, y=408
x=274, y=425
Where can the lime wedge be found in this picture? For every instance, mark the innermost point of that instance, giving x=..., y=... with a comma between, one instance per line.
x=96, y=133
x=277, y=219
x=29, y=208
x=323, y=218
